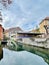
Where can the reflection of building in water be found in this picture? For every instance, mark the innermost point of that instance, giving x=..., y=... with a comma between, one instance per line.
x=1, y=53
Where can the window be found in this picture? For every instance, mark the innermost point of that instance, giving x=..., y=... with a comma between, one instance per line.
x=48, y=21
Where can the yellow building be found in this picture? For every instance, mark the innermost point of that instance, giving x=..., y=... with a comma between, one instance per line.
x=44, y=22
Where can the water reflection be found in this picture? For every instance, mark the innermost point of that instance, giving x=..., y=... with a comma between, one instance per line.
x=1, y=53
x=44, y=53
x=21, y=58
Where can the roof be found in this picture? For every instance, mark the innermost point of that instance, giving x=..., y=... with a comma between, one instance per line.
x=13, y=29
x=47, y=18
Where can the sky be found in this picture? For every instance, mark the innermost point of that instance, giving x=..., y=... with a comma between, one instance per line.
x=26, y=14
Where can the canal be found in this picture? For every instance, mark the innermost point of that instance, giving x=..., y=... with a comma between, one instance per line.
x=21, y=58
x=23, y=54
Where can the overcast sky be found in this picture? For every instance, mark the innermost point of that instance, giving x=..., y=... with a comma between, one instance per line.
x=26, y=14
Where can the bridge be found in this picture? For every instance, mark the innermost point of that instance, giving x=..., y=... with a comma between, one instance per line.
x=28, y=34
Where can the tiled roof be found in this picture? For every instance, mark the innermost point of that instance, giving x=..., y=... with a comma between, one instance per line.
x=13, y=29
x=47, y=18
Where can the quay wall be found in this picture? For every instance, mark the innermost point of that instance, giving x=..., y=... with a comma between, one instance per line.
x=40, y=42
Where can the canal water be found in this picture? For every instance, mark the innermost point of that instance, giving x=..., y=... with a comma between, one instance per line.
x=21, y=58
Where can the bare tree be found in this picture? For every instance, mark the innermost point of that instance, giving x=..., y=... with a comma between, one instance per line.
x=46, y=28
x=5, y=2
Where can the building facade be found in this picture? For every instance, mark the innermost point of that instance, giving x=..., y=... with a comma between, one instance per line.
x=12, y=32
x=1, y=28
x=45, y=22
x=1, y=32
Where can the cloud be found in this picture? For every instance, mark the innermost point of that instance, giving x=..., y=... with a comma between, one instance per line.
x=25, y=13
